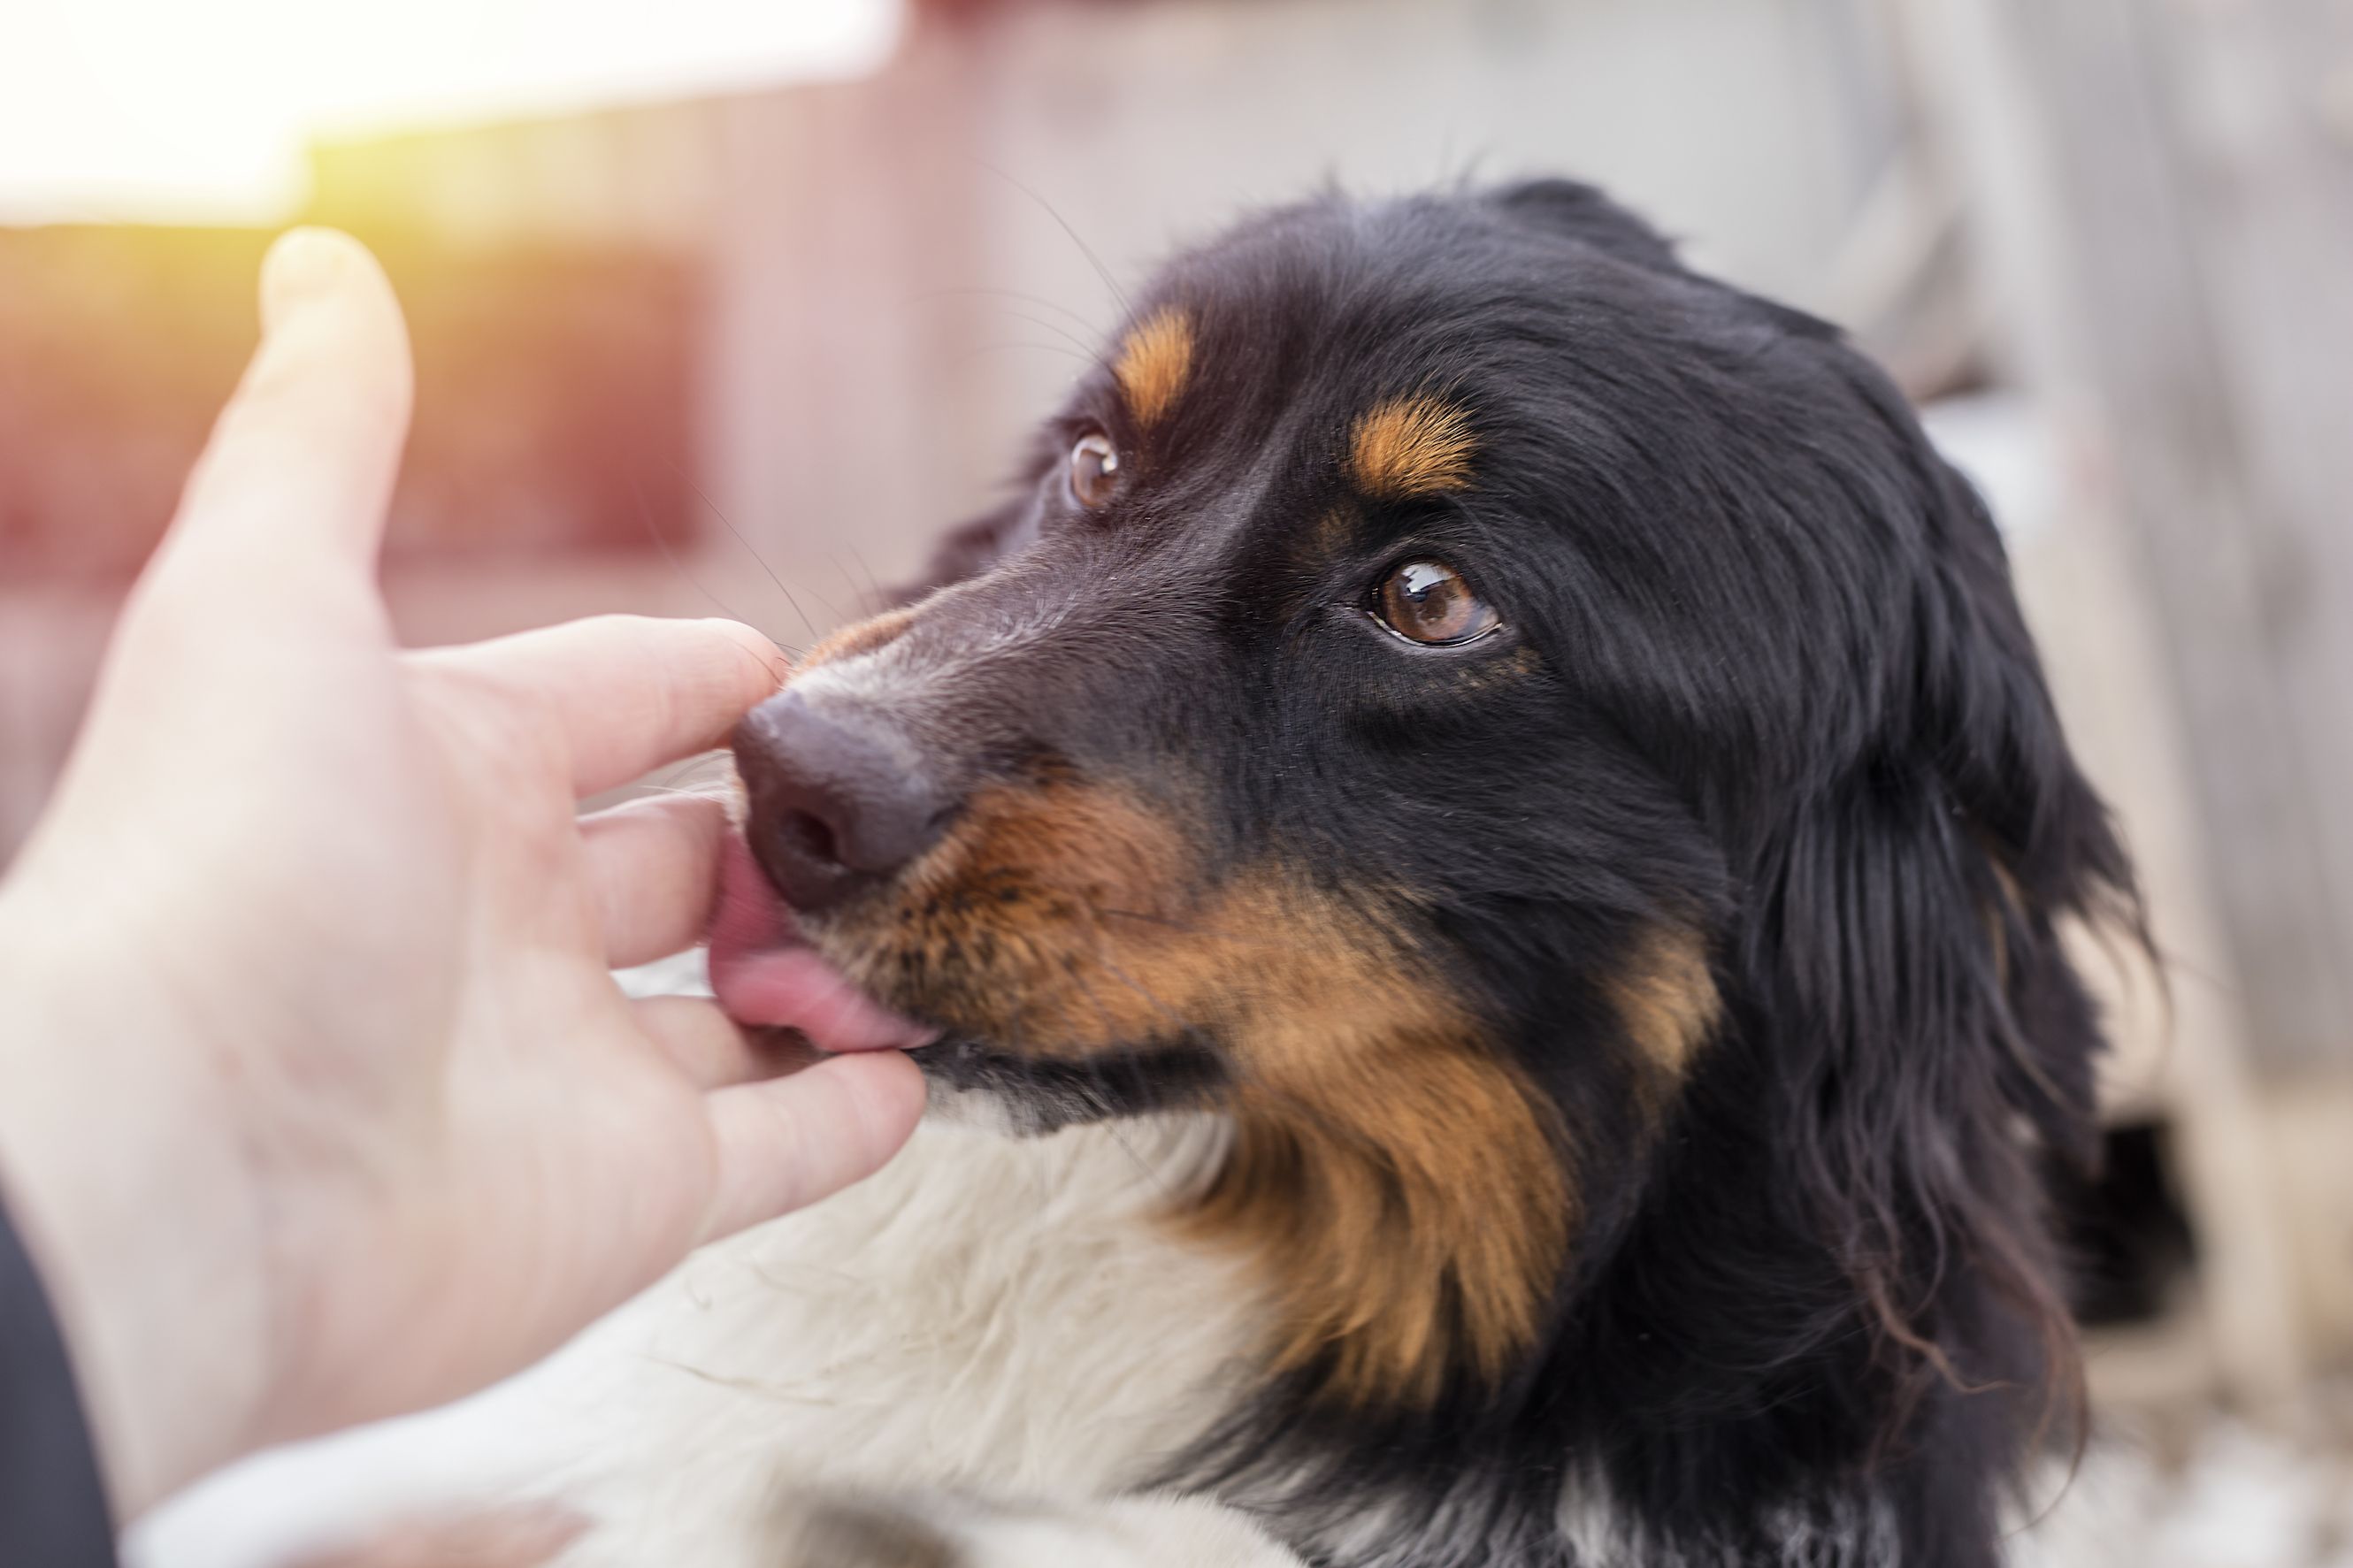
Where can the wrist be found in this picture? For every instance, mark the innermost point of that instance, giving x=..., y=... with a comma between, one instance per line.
x=125, y=1180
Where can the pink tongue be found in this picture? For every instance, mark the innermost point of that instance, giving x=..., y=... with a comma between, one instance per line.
x=763, y=973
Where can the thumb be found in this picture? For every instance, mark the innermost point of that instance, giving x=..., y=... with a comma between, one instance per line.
x=299, y=471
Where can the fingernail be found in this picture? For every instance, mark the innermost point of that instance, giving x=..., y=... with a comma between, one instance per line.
x=303, y=266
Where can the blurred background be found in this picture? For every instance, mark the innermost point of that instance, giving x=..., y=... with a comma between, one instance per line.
x=734, y=306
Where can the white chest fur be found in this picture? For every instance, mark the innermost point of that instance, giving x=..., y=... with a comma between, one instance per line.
x=1002, y=1316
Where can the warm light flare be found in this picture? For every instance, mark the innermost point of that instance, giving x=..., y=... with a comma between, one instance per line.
x=161, y=109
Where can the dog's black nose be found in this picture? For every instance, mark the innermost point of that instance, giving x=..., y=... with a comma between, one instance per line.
x=838, y=801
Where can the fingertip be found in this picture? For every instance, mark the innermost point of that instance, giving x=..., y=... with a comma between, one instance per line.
x=751, y=637
x=630, y=693
x=771, y=663
x=897, y=1090
x=305, y=265
x=881, y=1097
x=326, y=274
x=300, y=464
x=785, y=1144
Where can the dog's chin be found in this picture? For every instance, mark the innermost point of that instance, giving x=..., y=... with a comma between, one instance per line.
x=1028, y=1094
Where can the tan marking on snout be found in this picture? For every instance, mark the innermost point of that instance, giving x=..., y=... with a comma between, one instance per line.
x=1408, y=446
x=1156, y=360
x=1395, y=1181
x=858, y=638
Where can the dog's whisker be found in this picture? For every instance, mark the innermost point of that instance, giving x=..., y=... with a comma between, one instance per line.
x=867, y=601
x=757, y=558
x=976, y=352
x=873, y=584
x=1076, y=342
x=1109, y=282
x=653, y=530
x=1077, y=318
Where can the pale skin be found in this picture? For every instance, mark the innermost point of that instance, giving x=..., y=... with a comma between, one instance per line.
x=317, y=1101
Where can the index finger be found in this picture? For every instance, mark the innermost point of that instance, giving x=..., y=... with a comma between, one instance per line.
x=628, y=693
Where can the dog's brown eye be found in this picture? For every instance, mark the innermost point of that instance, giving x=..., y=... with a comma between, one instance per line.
x=1426, y=601
x=1094, y=469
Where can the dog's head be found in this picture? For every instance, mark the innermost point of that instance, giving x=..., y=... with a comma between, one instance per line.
x=1526, y=728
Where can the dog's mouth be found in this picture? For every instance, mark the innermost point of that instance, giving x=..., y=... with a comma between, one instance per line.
x=767, y=972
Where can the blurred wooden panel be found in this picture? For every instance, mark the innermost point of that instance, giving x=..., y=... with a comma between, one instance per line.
x=554, y=392
x=2200, y=254
x=117, y=345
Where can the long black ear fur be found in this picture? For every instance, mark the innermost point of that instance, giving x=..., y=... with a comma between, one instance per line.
x=1903, y=938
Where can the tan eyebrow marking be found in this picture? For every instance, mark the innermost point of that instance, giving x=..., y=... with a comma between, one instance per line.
x=1155, y=358
x=1412, y=446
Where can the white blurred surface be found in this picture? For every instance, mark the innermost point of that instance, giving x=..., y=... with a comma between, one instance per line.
x=163, y=110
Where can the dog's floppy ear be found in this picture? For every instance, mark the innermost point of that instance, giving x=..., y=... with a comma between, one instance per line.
x=1901, y=939
x=2038, y=846
x=1582, y=213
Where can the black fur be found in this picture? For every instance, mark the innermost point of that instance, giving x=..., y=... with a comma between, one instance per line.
x=1040, y=1096
x=1772, y=685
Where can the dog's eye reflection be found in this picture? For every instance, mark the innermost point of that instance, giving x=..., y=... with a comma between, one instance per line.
x=1094, y=469
x=1428, y=602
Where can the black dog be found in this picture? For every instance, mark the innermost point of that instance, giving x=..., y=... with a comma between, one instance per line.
x=1538, y=742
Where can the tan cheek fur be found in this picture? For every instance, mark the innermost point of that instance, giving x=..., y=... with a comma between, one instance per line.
x=1392, y=1175
x=1393, y=1178
x=1668, y=1000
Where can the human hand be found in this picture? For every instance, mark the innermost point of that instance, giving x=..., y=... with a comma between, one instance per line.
x=317, y=1101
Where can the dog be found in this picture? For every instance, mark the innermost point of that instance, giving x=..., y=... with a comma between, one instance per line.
x=1485, y=845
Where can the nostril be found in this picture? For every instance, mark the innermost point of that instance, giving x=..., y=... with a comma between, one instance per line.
x=812, y=835
x=839, y=800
